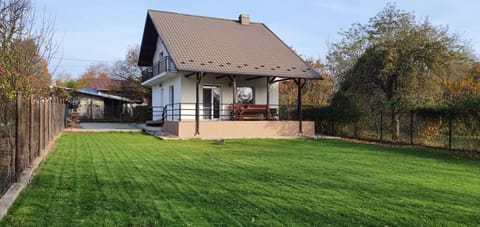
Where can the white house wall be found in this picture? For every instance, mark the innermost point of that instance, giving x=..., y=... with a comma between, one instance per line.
x=159, y=49
x=161, y=97
x=184, y=91
x=157, y=102
x=188, y=93
x=184, y=95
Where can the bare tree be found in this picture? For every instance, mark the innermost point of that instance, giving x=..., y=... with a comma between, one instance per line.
x=129, y=70
x=26, y=45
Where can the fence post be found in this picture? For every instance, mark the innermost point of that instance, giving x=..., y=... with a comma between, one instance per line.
x=30, y=130
x=40, y=125
x=450, y=132
x=49, y=114
x=411, y=127
x=19, y=140
x=381, y=125
x=333, y=129
x=49, y=120
x=65, y=109
x=355, y=131
x=44, y=129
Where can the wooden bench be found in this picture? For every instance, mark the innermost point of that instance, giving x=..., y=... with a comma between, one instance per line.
x=251, y=112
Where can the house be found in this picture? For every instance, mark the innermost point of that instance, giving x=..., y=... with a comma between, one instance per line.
x=218, y=78
x=93, y=105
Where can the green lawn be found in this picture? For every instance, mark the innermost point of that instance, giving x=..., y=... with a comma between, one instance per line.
x=134, y=179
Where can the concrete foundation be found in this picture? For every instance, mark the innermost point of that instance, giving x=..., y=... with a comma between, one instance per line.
x=239, y=129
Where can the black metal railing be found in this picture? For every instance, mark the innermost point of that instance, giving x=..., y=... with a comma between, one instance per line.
x=224, y=111
x=165, y=64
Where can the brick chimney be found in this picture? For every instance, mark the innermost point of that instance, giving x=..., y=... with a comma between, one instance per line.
x=244, y=19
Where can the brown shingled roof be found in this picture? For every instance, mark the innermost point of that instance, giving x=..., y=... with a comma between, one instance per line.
x=203, y=44
x=108, y=84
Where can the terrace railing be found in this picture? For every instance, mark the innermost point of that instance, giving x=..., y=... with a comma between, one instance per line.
x=165, y=64
x=224, y=111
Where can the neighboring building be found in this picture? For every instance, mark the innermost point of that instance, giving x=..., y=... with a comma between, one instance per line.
x=209, y=75
x=122, y=88
x=109, y=99
x=95, y=105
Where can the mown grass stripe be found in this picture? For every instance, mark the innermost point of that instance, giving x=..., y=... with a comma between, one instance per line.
x=119, y=179
x=151, y=208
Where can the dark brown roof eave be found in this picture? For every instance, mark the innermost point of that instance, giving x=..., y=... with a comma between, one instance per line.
x=149, y=43
x=319, y=77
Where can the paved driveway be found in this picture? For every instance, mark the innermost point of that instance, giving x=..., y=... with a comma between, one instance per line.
x=113, y=126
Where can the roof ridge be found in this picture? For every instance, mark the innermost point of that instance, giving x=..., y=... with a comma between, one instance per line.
x=198, y=16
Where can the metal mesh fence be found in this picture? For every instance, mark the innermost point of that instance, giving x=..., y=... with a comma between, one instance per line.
x=27, y=125
x=452, y=131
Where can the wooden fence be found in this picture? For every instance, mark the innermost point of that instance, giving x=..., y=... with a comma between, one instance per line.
x=27, y=126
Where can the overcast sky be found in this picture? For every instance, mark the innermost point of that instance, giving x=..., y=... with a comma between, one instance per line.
x=100, y=31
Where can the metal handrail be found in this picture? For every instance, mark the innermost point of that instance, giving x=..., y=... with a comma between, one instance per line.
x=227, y=111
x=165, y=64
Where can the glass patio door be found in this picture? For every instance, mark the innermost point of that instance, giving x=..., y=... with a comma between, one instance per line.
x=211, y=102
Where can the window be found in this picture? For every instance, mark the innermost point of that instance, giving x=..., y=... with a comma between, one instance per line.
x=245, y=95
x=171, y=91
x=211, y=102
x=160, y=56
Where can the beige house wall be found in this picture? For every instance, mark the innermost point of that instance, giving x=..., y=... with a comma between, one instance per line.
x=91, y=107
x=188, y=100
x=171, y=127
x=239, y=129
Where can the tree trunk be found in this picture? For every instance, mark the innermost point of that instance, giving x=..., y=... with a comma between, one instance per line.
x=395, y=125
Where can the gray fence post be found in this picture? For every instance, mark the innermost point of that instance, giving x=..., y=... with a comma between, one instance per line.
x=381, y=125
x=411, y=127
x=450, y=132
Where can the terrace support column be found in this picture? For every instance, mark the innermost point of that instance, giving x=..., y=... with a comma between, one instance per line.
x=269, y=82
x=268, y=99
x=233, y=78
x=300, y=84
x=197, y=102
